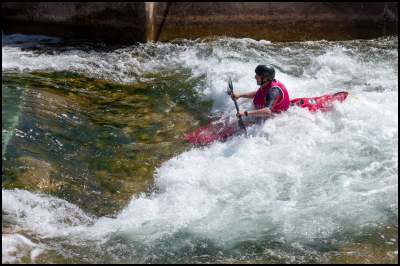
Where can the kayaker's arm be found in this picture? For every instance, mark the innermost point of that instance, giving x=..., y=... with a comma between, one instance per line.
x=274, y=95
x=263, y=112
x=244, y=95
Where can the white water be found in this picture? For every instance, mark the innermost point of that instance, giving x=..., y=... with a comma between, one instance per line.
x=298, y=178
x=16, y=246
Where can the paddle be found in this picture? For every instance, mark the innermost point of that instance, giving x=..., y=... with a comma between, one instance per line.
x=230, y=92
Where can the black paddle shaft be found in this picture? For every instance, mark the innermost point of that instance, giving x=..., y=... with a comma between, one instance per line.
x=230, y=90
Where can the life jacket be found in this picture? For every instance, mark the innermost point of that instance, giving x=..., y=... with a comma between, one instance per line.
x=281, y=104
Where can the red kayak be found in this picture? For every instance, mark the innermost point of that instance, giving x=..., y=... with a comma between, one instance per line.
x=322, y=103
x=218, y=131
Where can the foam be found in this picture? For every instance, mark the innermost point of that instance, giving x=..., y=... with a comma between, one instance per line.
x=16, y=246
x=298, y=178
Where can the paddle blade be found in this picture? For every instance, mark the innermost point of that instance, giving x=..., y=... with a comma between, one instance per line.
x=230, y=85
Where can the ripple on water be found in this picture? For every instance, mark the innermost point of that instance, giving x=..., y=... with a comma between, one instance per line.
x=302, y=188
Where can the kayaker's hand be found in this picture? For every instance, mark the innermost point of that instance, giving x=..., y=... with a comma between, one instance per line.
x=241, y=113
x=233, y=95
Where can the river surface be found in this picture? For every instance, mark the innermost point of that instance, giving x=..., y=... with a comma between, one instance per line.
x=95, y=168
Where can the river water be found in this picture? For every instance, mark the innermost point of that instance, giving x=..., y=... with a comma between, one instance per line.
x=95, y=168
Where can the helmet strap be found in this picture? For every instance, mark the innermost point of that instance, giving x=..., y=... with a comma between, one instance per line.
x=264, y=80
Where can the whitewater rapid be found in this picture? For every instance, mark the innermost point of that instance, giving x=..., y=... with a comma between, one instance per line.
x=298, y=179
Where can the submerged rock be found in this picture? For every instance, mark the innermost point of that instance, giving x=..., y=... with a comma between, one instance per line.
x=96, y=143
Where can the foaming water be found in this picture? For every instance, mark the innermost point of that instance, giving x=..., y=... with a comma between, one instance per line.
x=16, y=246
x=299, y=182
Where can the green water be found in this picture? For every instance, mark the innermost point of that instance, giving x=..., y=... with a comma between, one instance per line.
x=93, y=142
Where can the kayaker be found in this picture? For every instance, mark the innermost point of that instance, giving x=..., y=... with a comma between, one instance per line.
x=272, y=96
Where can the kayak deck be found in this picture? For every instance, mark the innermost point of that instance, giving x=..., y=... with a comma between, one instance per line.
x=322, y=103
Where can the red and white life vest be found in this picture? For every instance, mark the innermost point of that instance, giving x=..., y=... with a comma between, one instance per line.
x=282, y=104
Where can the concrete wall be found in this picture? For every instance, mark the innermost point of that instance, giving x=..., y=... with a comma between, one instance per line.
x=283, y=21
x=127, y=22
x=115, y=22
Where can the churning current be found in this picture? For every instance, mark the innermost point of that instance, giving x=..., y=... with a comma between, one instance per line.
x=300, y=186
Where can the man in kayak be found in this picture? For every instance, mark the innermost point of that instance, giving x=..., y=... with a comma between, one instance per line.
x=272, y=96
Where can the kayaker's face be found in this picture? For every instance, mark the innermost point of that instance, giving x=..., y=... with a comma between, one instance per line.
x=259, y=79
